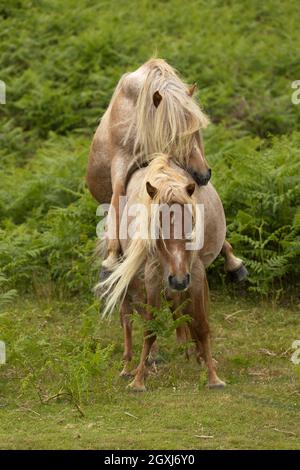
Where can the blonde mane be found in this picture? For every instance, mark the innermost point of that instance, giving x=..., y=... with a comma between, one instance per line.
x=171, y=127
x=171, y=188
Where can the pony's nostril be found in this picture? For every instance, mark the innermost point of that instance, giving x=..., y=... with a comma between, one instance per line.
x=171, y=280
x=186, y=281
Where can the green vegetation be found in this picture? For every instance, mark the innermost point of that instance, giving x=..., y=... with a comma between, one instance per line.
x=60, y=387
x=60, y=62
x=61, y=65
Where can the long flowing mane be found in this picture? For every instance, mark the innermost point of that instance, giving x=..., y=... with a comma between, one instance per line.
x=170, y=184
x=173, y=126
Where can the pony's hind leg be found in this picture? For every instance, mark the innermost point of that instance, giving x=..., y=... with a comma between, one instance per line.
x=183, y=338
x=233, y=266
x=199, y=328
x=182, y=331
x=126, y=322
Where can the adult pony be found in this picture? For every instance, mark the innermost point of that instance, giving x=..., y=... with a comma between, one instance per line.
x=165, y=261
x=151, y=111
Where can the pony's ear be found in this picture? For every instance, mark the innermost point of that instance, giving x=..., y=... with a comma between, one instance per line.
x=151, y=190
x=157, y=98
x=191, y=89
x=190, y=188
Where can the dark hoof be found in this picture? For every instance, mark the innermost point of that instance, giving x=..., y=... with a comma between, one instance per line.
x=239, y=274
x=104, y=274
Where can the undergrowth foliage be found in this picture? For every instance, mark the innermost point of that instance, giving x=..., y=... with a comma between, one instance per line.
x=61, y=63
x=55, y=366
x=260, y=189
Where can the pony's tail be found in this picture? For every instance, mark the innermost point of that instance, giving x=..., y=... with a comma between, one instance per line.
x=114, y=288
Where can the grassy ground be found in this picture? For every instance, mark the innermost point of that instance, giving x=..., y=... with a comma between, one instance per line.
x=259, y=408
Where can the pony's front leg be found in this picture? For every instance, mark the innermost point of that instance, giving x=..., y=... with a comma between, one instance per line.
x=118, y=173
x=233, y=266
x=138, y=383
x=153, y=284
x=199, y=327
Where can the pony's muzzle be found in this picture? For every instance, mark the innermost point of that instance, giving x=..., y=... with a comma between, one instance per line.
x=204, y=177
x=179, y=284
x=201, y=178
